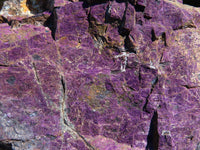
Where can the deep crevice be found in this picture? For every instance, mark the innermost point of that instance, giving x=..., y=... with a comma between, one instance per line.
x=147, y=98
x=89, y=3
x=164, y=38
x=129, y=46
x=63, y=86
x=2, y=65
x=147, y=16
x=161, y=58
x=5, y=146
x=139, y=8
x=153, y=136
x=1, y=3
x=51, y=23
x=195, y=3
x=3, y=19
x=40, y=6
x=190, y=86
x=153, y=35
x=121, y=1
x=123, y=32
x=139, y=75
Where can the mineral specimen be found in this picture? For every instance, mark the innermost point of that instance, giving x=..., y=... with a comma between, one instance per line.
x=99, y=75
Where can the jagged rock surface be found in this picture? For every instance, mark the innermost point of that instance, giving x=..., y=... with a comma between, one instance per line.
x=102, y=75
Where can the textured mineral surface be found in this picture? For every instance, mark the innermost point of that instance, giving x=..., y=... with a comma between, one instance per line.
x=99, y=75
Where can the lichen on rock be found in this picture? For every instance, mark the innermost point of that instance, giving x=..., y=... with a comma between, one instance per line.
x=25, y=7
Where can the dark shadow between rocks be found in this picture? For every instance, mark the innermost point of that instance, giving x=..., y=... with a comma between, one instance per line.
x=1, y=3
x=129, y=45
x=3, y=19
x=139, y=8
x=5, y=146
x=164, y=38
x=40, y=6
x=195, y=3
x=153, y=35
x=51, y=23
x=153, y=136
x=121, y=1
x=88, y=3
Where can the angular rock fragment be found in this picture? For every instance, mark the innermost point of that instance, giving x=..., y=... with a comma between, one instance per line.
x=129, y=17
x=116, y=10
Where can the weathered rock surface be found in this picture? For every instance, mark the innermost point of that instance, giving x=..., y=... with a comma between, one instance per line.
x=101, y=75
x=24, y=8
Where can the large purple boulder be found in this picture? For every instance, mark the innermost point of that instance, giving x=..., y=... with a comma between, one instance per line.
x=102, y=75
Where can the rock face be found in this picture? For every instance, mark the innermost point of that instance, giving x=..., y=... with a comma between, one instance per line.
x=101, y=75
x=25, y=8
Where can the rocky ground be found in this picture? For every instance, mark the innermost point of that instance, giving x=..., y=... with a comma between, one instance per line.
x=99, y=75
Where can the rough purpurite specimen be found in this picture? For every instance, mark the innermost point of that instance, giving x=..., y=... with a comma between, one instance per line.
x=100, y=75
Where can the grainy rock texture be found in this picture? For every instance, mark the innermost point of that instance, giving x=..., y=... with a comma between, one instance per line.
x=100, y=75
x=25, y=8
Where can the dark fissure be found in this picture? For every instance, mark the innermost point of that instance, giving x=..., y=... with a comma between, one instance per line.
x=153, y=136
x=195, y=3
x=5, y=146
x=51, y=23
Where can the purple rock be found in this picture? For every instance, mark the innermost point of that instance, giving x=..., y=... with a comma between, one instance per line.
x=98, y=12
x=130, y=17
x=107, y=75
x=142, y=2
x=116, y=10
